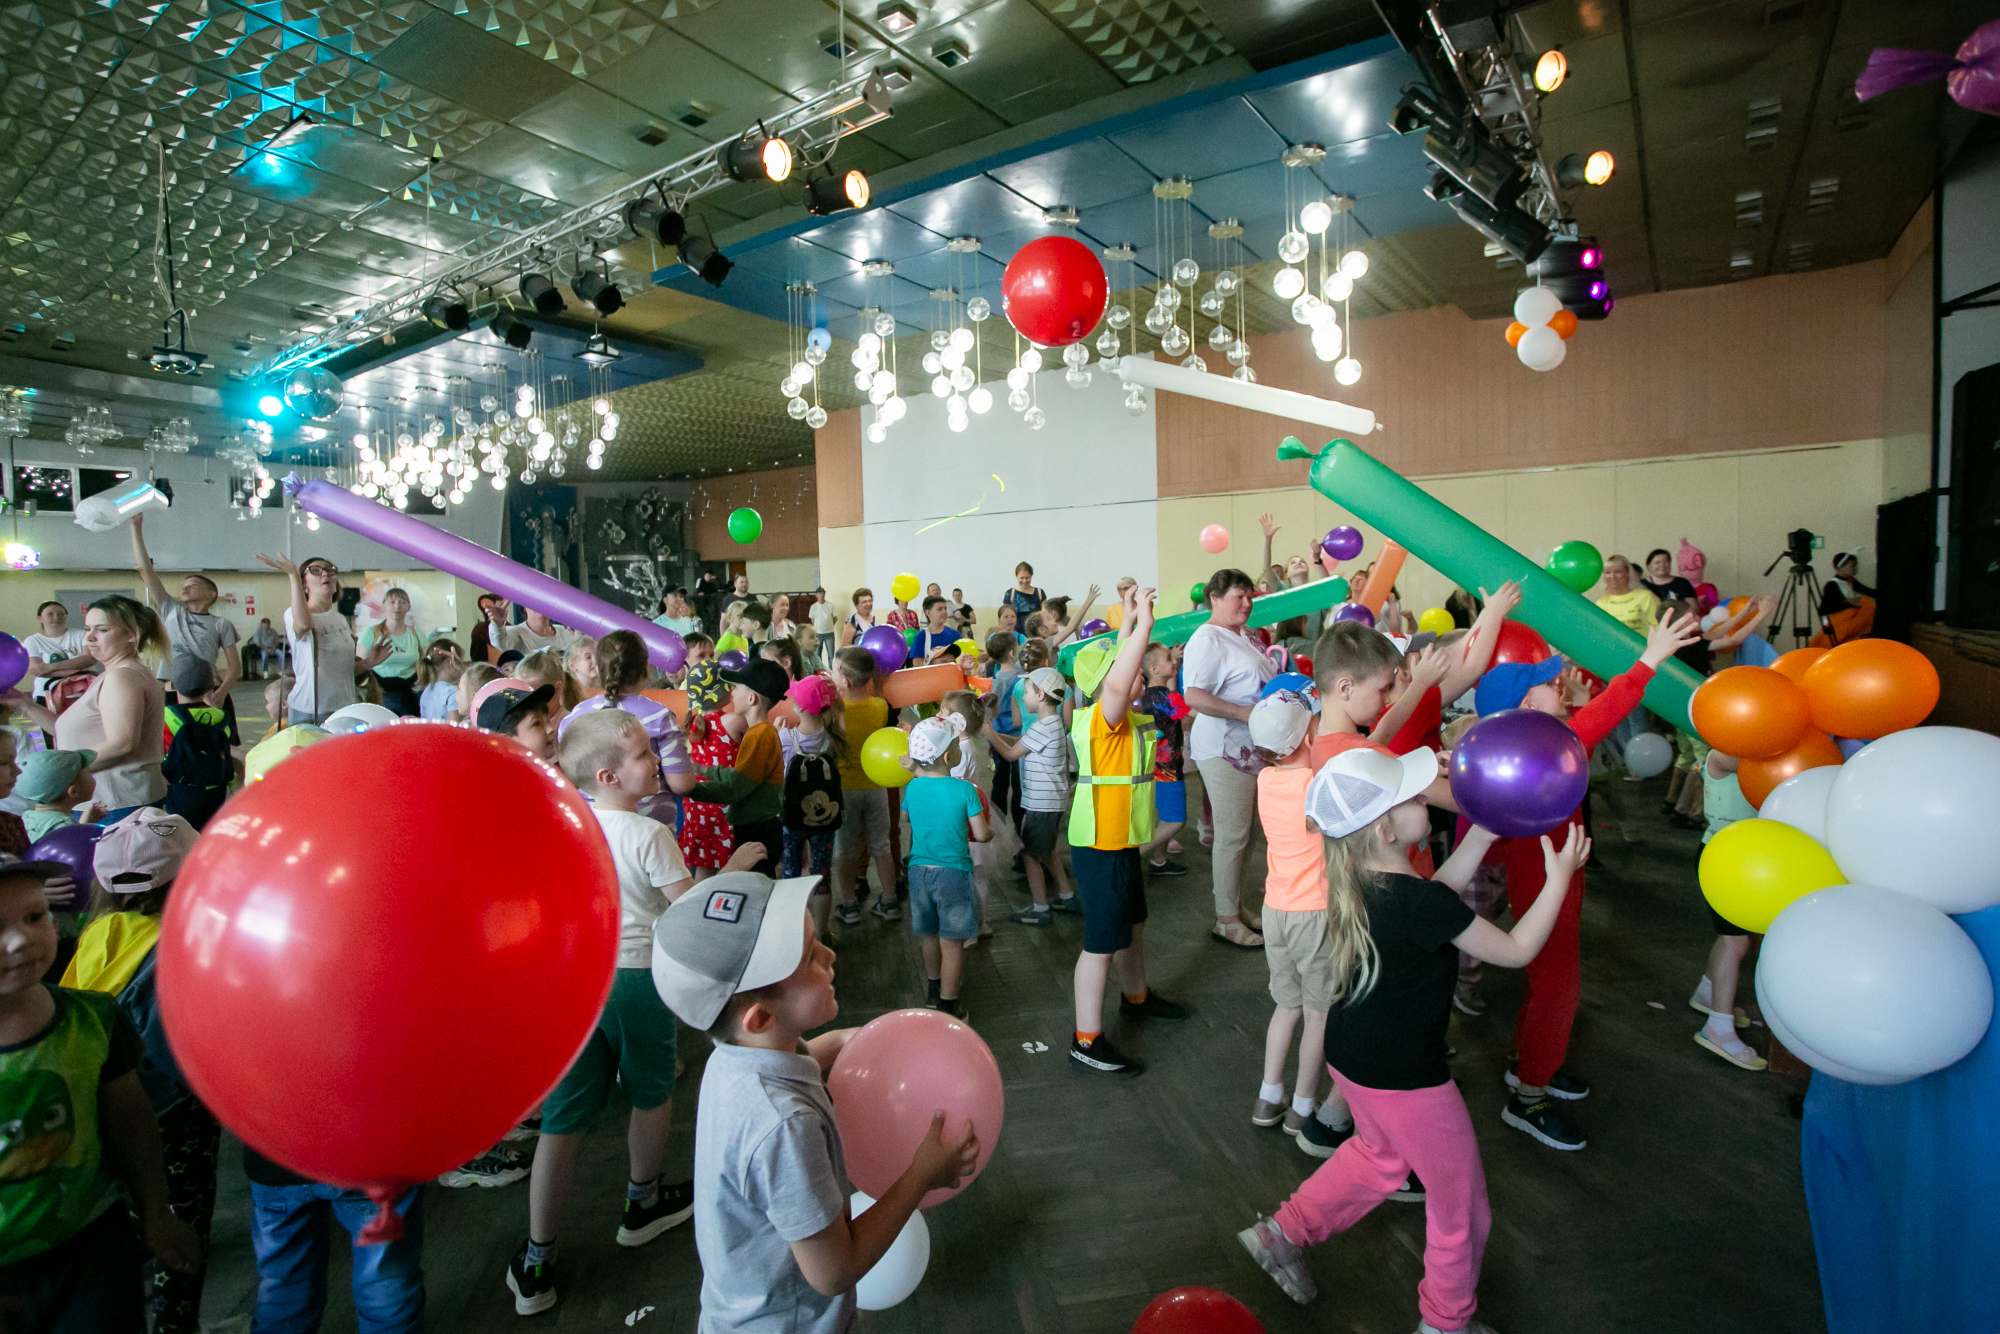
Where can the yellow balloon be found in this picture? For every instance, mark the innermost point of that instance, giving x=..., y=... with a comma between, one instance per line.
x=968, y=649
x=880, y=752
x=278, y=747
x=1753, y=869
x=1437, y=620
x=1114, y=615
x=903, y=587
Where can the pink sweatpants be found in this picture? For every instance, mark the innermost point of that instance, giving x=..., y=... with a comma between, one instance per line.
x=1397, y=1131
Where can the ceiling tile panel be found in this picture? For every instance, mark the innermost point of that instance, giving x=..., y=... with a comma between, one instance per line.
x=1082, y=175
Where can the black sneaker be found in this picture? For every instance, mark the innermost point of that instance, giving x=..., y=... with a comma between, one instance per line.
x=1564, y=1085
x=1033, y=916
x=1102, y=1057
x=501, y=1165
x=1066, y=903
x=1543, y=1121
x=1319, y=1139
x=850, y=913
x=932, y=990
x=640, y=1225
x=1155, y=1006
x=1410, y=1192
x=1165, y=869
x=954, y=1007
x=527, y=1130
x=533, y=1286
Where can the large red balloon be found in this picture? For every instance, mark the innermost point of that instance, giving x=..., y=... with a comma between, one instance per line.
x=1520, y=644
x=368, y=974
x=1196, y=1311
x=1054, y=291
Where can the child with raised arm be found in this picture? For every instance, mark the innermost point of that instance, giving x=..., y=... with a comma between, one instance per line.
x=947, y=816
x=1395, y=942
x=739, y=960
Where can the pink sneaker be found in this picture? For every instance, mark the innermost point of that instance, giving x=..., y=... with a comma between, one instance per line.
x=1280, y=1257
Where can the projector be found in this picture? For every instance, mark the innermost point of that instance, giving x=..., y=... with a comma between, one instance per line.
x=175, y=360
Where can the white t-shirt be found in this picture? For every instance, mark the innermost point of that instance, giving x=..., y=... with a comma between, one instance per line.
x=824, y=618
x=525, y=641
x=648, y=861
x=323, y=679
x=1230, y=666
x=52, y=648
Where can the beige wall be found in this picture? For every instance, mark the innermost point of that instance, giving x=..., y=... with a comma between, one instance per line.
x=785, y=498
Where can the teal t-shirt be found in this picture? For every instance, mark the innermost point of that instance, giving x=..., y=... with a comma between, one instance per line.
x=55, y=1177
x=940, y=812
x=40, y=824
x=405, y=650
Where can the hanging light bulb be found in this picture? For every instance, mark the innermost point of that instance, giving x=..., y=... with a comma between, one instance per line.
x=978, y=309
x=1337, y=287
x=1347, y=370
x=1186, y=271
x=1355, y=264
x=1031, y=360
x=1316, y=217
x=1288, y=283
x=1293, y=247
x=1118, y=317
x=980, y=399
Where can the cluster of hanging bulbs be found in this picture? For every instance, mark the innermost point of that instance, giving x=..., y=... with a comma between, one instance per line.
x=1020, y=388
x=800, y=378
x=952, y=376
x=1317, y=312
x=879, y=382
x=244, y=454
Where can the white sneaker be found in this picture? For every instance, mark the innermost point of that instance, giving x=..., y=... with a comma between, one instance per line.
x=1280, y=1257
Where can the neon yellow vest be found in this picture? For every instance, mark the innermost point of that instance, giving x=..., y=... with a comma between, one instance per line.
x=1083, y=810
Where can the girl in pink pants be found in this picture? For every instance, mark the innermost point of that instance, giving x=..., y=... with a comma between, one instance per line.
x=1394, y=942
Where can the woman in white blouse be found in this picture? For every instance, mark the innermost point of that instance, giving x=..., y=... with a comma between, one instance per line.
x=1222, y=674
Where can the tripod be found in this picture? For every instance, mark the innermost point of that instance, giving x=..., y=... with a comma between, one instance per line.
x=1799, y=602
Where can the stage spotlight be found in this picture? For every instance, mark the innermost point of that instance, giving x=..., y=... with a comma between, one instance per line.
x=837, y=194
x=1550, y=71
x=649, y=217
x=271, y=405
x=541, y=293
x=701, y=256
x=599, y=291
x=514, y=332
x=1598, y=167
x=447, y=312
x=1513, y=230
x=1576, y=170
x=1572, y=268
x=757, y=157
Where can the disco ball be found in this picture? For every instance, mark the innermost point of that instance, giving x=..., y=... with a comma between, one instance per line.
x=314, y=394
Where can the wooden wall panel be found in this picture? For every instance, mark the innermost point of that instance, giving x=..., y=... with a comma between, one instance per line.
x=788, y=500
x=1767, y=363
x=837, y=455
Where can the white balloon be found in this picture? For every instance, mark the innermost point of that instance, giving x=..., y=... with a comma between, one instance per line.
x=1880, y=986
x=1915, y=811
x=896, y=1275
x=1648, y=754
x=1541, y=349
x=1800, y=801
x=1536, y=306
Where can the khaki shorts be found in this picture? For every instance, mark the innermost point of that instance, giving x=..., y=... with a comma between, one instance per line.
x=1300, y=954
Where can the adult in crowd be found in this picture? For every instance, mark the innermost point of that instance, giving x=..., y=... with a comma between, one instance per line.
x=825, y=622
x=737, y=596
x=1629, y=603
x=535, y=632
x=121, y=720
x=482, y=639
x=1662, y=582
x=707, y=596
x=861, y=619
x=325, y=665
x=398, y=671
x=782, y=625
x=676, y=615
x=1846, y=605
x=54, y=650
x=1222, y=673
x=192, y=631
x=262, y=649
x=1023, y=597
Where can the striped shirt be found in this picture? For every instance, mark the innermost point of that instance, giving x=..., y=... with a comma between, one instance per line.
x=1045, y=768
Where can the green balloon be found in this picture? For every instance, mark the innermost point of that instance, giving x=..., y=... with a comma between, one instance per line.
x=1340, y=589
x=745, y=525
x=1577, y=565
x=1197, y=593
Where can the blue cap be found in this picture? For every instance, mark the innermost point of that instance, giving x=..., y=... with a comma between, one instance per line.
x=1293, y=681
x=1505, y=686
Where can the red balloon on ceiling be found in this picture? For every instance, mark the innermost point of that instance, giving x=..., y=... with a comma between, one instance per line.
x=1054, y=291
x=354, y=938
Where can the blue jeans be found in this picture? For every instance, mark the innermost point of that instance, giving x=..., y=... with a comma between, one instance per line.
x=288, y=1230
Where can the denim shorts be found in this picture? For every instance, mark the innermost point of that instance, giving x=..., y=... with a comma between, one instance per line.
x=942, y=903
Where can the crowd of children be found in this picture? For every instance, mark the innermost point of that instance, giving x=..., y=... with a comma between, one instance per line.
x=750, y=785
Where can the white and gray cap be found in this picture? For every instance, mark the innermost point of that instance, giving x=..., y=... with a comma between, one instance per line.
x=1359, y=786
x=733, y=932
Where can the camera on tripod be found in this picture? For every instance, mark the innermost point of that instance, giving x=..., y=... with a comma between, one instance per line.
x=1800, y=544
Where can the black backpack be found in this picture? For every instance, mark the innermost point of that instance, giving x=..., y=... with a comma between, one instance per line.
x=812, y=793
x=199, y=755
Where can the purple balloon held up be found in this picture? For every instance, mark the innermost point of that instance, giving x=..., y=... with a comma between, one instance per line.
x=1519, y=773
x=887, y=647
x=1354, y=611
x=1094, y=626
x=74, y=845
x=1849, y=746
x=13, y=662
x=732, y=660
x=1342, y=543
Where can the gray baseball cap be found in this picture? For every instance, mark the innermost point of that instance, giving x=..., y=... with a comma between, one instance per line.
x=733, y=932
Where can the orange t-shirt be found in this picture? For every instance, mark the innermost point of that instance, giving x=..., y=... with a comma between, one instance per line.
x=1294, y=864
x=1111, y=803
x=1329, y=744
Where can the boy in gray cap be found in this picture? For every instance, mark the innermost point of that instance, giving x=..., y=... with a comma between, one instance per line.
x=737, y=958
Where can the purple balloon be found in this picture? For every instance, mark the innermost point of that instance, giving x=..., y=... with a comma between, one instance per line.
x=1354, y=611
x=1519, y=773
x=489, y=569
x=732, y=660
x=74, y=845
x=13, y=661
x=888, y=647
x=1849, y=746
x=1094, y=627
x=1342, y=543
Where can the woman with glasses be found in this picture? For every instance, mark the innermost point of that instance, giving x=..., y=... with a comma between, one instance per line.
x=324, y=661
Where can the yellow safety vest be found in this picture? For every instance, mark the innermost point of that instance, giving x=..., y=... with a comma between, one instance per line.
x=1083, y=806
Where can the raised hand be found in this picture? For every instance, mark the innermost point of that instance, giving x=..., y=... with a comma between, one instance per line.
x=1505, y=598
x=283, y=564
x=1672, y=634
x=1269, y=525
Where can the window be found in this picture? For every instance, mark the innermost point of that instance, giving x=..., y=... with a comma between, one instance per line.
x=48, y=489
x=90, y=481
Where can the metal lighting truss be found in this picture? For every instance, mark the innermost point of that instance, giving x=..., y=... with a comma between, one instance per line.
x=1507, y=105
x=813, y=128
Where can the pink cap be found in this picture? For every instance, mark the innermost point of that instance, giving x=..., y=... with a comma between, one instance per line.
x=813, y=693
x=142, y=851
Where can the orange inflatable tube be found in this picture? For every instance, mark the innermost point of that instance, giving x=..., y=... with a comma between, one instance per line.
x=922, y=685
x=677, y=701
x=1383, y=577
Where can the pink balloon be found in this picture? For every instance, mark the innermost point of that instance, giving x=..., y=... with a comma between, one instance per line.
x=1214, y=539
x=897, y=1073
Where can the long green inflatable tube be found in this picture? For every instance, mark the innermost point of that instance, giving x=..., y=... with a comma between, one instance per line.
x=1473, y=558
x=1267, y=610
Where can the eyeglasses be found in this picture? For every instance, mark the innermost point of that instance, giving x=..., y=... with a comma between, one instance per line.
x=320, y=567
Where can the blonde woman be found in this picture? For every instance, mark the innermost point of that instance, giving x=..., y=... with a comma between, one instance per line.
x=122, y=717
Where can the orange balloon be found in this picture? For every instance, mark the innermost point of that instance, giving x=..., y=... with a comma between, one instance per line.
x=1816, y=750
x=1794, y=664
x=1752, y=713
x=1867, y=688
x=1564, y=323
x=1736, y=606
x=1516, y=329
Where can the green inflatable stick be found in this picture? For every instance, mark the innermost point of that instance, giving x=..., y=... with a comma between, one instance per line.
x=1473, y=558
x=1267, y=610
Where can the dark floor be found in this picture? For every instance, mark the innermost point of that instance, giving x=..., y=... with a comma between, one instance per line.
x=1685, y=1212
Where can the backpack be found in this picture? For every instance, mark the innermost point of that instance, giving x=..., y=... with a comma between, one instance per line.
x=199, y=756
x=812, y=794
